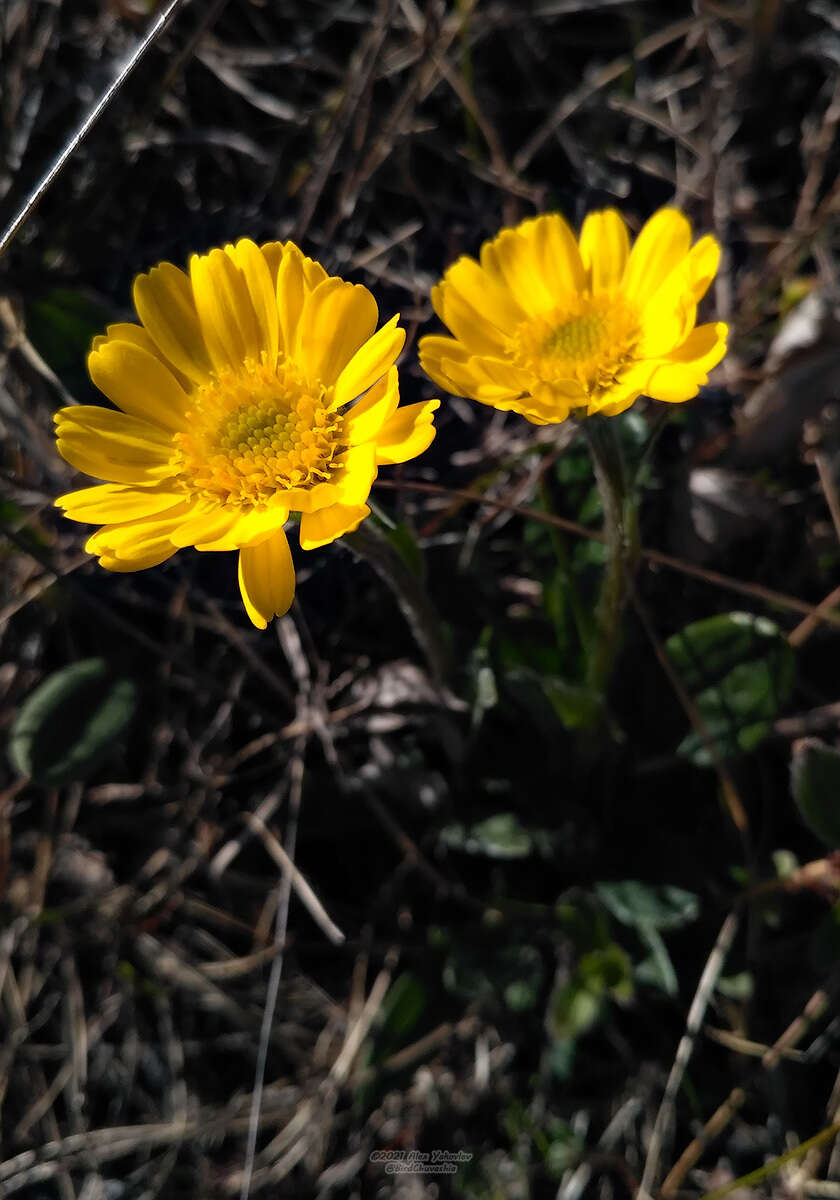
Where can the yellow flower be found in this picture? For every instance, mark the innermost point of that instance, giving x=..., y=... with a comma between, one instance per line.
x=254, y=387
x=547, y=325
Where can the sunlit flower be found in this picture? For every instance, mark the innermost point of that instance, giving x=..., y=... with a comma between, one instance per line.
x=254, y=387
x=546, y=325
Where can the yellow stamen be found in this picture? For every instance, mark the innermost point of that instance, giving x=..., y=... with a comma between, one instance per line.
x=256, y=432
x=589, y=342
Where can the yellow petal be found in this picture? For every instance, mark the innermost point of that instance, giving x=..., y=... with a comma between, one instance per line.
x=701, y=266
x=557, y=256
x=354, y=481
x=407, y=433
x=225, y=312
x=267, y=579
x=484, y=292
x=631, y=383
x=113, y=446
x=151, y=558
x=139, y=384
x=165, y=304
x=135, y=541
x=208, y=524
x=291, y=290
x=472, y=328
x=250, y=529
x=604, y=249
x=108, y=503
x=273, y=254
x=512, y=258
x=337, y=319
x=367, y=415
x=369, y=364
x=255, y=271
x=684, y=372
x=662, y=243
x=125, y=331
x=319, y=528
x=433, y=350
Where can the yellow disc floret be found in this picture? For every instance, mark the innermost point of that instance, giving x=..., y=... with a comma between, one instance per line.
x=589, y=341
x=256, y=432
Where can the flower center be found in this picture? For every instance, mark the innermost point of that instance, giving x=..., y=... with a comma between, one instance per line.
x=255, y=433
x=587, y=342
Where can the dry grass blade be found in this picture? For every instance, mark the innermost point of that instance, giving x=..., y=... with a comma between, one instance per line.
x=145, y=44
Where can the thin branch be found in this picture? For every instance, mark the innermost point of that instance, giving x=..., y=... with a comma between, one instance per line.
x=42, y=187
x=756, y=590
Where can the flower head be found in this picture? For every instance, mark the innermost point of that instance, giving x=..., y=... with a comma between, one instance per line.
x=254, y=387
x=547, y=324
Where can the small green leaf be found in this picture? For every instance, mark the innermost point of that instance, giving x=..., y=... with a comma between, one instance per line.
x=499, y=836
x=578, y=1004
x=815, y=783
x=740, y=669
x=643, y=904
x=405, y=543
x=576, y=706
x=67, y=726
x=656, y=970
x=403, y=1006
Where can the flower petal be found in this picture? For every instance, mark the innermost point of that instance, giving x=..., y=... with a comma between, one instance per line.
x=432, y=351
x=478, y=290
x=291, y=291
x=261, y=290
x=337, y=319
x=557, y=255
x=164, y=302
x=367, y=415
x=109, y=503
x=319, y=528
x=407, y=433
x=139, y=541
x=267, y=579
x=664, y=240
x=354, y=481
x=512, y=260
x=207, y=524
x=370, y=363
x=113, y=446
x=250, y=529
x=139, y=384
x=227, y=317
x=685, y=370
x=604, y=249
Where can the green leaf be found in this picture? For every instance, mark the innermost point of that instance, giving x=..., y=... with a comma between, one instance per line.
x=67, y=726
x=403, y=1006
x=739, y=668
x=576, y=706
x=648, y=905
x=499, y=836
x=815, y=783
x=405, y=543
x=656, y=970
x=578, y=1004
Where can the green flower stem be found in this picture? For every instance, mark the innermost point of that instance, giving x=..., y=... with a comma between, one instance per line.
x=621, y=528
x=582, y=619
x=371, y=543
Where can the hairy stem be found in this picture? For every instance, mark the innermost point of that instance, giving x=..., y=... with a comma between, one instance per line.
x=621, y=531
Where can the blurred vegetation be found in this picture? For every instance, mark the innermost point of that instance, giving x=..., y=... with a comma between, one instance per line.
x=541, y=888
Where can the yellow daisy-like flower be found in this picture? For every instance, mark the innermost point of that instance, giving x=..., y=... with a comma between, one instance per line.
x=547, y=324
x=254, y=387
